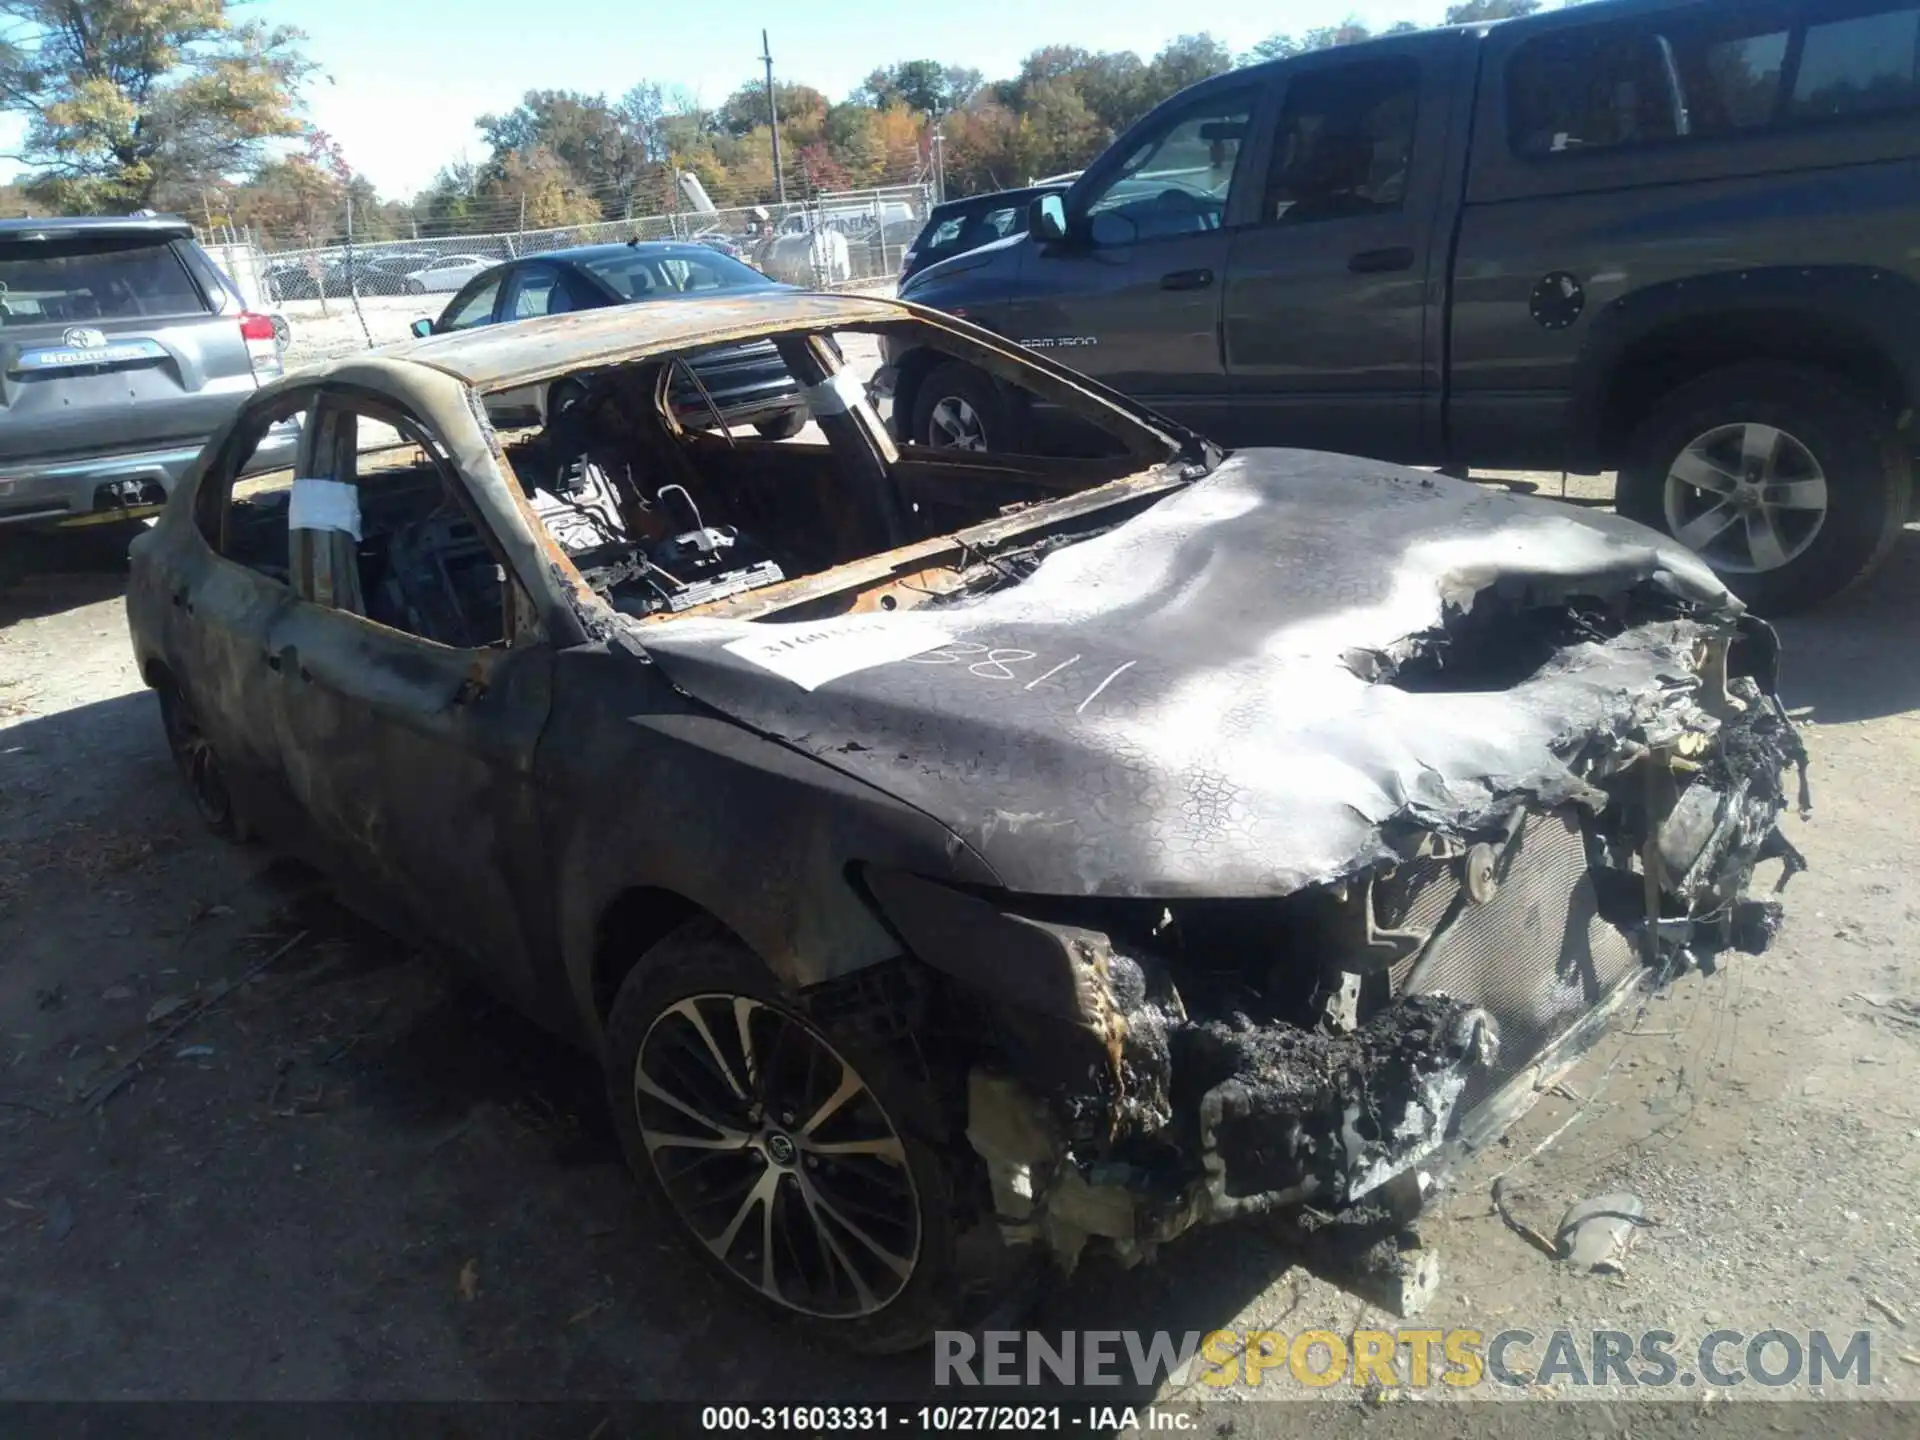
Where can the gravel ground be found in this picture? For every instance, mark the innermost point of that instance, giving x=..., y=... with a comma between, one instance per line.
x=338, y=1171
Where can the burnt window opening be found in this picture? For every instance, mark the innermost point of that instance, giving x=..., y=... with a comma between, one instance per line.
x=665, y=505
x=422, y=563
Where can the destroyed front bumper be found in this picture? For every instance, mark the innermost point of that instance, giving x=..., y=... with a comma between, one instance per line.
x=1141, y=1081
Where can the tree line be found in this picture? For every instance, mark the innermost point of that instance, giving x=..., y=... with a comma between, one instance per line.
x=180, y=105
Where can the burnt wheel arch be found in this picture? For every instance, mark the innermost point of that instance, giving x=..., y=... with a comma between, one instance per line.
x=636, y=920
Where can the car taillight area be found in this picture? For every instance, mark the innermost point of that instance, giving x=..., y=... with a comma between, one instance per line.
x=263, y=351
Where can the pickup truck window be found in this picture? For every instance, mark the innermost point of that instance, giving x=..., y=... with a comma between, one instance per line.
x=1176, y=179
x=1853, y=66
x=1702, y=73
x=1344, y=141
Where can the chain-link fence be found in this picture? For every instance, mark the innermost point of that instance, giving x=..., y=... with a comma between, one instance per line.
x=339, y=298
x=828, y=240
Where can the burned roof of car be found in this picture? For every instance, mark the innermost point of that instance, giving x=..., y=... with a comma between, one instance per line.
x=492, y=357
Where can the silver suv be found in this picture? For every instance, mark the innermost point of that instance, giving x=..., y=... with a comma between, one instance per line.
x=122, y=349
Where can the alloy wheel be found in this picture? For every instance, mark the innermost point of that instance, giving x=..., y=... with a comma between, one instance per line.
x=777, y=1155
x=955, y=425
x=1747, y=498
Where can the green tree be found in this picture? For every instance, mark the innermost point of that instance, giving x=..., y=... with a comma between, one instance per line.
x=745, y=110
x=450, y=205
x=917, y=84
x=1183, y=61
x=1115, y=86
x=1322, y=37
x=132, y=103
x=534, y=189
x=1472, y=12
x=599, y=144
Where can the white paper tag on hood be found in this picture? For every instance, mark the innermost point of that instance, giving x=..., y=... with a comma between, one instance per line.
x=812, y=654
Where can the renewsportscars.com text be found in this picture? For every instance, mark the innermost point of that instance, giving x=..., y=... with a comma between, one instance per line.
x=1405, y=1359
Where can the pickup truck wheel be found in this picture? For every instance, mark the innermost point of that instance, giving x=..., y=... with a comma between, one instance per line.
x=958, y=408
x=1790, y=483
x=785, y=428
x=802, y=1163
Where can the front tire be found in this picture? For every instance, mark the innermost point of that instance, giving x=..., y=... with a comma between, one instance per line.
x=1792, y=484
x=805, y=1166
x=959, y=408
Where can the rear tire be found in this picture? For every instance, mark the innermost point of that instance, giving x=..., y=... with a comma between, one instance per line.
x=193, y=755
x=1791, y=483
x=784, y=428
x=959, y=408
x=759, y=1134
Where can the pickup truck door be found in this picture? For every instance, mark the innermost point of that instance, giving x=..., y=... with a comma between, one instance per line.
x=1132, y=294
x=1332, y=322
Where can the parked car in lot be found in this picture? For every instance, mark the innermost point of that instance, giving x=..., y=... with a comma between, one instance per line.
x=746, y=385
x=122, y=348
x=338, y=277
x=1672, y=239
x=959, y=226
x=448, y=272
x=290, y=280
x=961, y=862
x=366, y=275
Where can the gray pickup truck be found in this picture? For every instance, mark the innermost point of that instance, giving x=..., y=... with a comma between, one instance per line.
x=1672, y=238
x=122, y=349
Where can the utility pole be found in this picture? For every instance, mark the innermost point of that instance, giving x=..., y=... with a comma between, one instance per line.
x=773, y=119
x=936, y=157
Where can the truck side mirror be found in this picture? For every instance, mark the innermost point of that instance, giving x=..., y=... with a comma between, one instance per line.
x=1047, y=218
x=422, y=328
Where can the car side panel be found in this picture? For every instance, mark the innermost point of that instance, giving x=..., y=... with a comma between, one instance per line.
x=202, y=623
x=1515, y=373
x=1633, y=221
x=414, y=761
x=642, y=787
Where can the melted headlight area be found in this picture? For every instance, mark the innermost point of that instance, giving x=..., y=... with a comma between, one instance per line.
x=1157, y=1065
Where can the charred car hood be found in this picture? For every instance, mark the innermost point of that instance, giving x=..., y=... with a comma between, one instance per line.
x=1206, y=699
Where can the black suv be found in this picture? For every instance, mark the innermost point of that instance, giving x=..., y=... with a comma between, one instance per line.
x=1672, y=238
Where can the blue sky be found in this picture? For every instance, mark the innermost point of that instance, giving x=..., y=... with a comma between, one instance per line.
x=402, y=82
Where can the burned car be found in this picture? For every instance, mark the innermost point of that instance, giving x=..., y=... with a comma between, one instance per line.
x=961, y=859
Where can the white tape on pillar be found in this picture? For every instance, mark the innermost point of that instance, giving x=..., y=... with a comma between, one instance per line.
x=325, y=505
x=835, y=395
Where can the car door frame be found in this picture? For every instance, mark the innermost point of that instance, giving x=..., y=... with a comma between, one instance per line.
x=1193, y=402
x=1445, y=68
x=217, y=634
x=499, y=275
x=414, y=760
x=526, y=405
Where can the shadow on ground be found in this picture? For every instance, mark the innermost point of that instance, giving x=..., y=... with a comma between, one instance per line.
x=1855, y=659
x=353, y=1173
x=44, y=572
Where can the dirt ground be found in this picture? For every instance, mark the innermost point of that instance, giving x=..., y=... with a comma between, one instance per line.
x=250, y=1149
